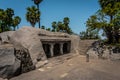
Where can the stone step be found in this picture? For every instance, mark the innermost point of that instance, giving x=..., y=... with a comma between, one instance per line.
x=84, y=45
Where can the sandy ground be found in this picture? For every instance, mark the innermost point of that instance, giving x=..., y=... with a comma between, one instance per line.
x=74, y=68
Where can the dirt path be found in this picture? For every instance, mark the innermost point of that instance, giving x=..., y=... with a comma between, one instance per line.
x=75, y=68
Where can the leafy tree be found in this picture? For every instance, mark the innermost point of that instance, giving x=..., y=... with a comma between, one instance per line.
x=66, y=23
x=66, y=27
x=2, y=19
x=43, y=27
x=37, y=2
x=48, y=29
x=16, y=21
x=111, y=9
x=62, y=26
x=32, y=15
x=8, y=16
x=6, y=19
x=83, y=35
x=54, y=26
x=107, y=19
x=89, y=34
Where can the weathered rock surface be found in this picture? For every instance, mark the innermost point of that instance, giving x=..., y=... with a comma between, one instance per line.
x=4, y=37
x=85, y=45
x=100, y=51
x=29, y=38
x=9, y=64
x=14, y=61
x=75, y=43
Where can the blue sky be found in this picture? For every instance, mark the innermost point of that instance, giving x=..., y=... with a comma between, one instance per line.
x=55, y=10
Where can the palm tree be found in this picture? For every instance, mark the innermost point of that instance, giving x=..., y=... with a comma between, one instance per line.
x=6, y=19
x=32, y=15
x=16, y=21
x=43, y=27
x=2, y=17
x=37, y=2
x=66, y=21
x=67, y=29
x=60, y=26
x=10, y=14
x=54, y=26
x=48, y=29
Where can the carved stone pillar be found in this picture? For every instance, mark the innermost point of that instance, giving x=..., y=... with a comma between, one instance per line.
x=68, y=47
x=51, y=49
x=61, y=48
x=0, y=40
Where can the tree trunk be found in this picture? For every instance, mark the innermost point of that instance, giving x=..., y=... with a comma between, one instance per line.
x=33, y=25
x=39, y=17
x=110, y=37
x=2, y=28
x=109, y=34
x=111, y=18
x=14, y=28
x=116, y=36
x=17, y=27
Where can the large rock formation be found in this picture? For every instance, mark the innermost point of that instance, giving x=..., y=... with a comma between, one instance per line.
x=31, y=40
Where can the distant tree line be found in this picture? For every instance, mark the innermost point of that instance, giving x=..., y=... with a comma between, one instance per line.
x=89, y=34
x=60, y=26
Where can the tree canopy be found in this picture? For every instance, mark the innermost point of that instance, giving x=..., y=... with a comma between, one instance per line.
x=62, y=26
x=16, y=21
x=107, y=18
x=7, y=20
x=37, y=2
x=89, y=34
x=32, y=15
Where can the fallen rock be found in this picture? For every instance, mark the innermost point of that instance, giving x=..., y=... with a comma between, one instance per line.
x=9, y=64
x=14, y=60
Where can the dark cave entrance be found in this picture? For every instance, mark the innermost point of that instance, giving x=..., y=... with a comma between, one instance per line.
x=56, y=48
x=46, y=48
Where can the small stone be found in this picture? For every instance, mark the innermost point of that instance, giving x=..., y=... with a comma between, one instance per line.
x=41, y=69
x=49, y=67
x=70, y=64
x=64, y=75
